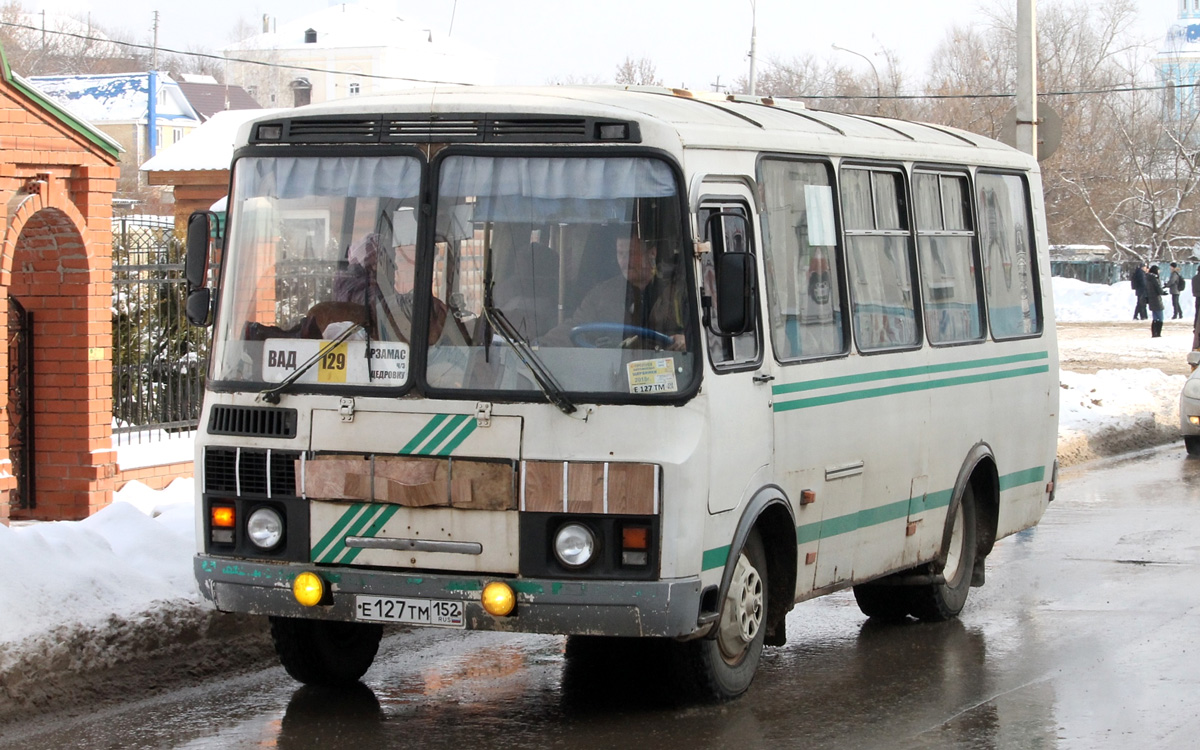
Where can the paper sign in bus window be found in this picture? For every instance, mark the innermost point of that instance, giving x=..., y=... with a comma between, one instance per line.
x=652, y=376
x=818, y=202
x=350, y=362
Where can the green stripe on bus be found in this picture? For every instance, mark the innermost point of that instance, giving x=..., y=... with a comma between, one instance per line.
x=371, y=531
x=425, y=432
x=714, y=558
x=1020, y=478
x=908, y=372
x=449, y=427
x=830, y=527
x=468, y=426
x=891, y=390
x=355, y=529
x=335, y=531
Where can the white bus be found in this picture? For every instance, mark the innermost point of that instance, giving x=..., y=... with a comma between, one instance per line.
x=610, y=363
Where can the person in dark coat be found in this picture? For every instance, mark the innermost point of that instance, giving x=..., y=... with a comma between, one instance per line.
x=1154, y=300
x=1138, y=281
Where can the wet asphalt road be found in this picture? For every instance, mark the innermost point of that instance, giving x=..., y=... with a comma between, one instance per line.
x=1087, y=635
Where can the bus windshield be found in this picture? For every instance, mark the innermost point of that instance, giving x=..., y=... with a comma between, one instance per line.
x=546, y=274
x=571, y=267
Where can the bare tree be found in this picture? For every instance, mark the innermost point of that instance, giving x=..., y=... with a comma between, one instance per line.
x=638, y=72
x=45, y=44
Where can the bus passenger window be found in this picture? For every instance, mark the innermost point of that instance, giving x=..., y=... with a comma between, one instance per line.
x=879, y=251
x=804, y=289
x=1006, y=242
x=949, y=274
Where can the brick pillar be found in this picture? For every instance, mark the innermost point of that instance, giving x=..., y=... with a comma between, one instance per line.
x=69, y=293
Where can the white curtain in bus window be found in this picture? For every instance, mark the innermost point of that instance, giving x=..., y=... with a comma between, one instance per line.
x=948, y=273
x=803, y=289
x=1006, y=243
x=880, y=263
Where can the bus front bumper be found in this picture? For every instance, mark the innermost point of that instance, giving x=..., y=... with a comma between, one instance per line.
x=616, y=608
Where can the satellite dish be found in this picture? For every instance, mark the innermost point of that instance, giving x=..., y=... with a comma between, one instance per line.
x=1049, y=130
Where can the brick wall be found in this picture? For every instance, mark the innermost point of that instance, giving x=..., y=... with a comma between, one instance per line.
x=57, y=179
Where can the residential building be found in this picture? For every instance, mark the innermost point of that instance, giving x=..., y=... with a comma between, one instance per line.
x=121, y=106
x=350, y=49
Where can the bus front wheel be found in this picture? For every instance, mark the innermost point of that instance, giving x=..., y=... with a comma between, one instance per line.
x=937, y=602
x=724, y=665
x=325, y=652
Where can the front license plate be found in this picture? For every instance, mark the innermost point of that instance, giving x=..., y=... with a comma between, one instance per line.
x=436, y=612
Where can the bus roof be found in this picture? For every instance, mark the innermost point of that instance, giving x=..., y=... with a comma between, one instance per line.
x=699, y=120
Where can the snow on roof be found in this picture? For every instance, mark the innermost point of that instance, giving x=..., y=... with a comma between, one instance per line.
x=114, y=98
x=209, y=146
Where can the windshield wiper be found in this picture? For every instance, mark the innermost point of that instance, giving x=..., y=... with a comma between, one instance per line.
x=519, y=344
x=271, y=395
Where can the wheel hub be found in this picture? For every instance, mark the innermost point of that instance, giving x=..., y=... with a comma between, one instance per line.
x=741, y=617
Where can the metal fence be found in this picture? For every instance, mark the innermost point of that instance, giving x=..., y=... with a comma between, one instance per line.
x=159, y=360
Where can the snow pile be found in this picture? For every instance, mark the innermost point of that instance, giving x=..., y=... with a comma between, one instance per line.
x=116, y=562
x=1078, y=302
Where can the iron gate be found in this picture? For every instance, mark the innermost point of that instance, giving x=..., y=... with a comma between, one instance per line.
x=20, y=403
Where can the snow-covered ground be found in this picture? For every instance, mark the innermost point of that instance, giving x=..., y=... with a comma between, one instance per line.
x=132, y=561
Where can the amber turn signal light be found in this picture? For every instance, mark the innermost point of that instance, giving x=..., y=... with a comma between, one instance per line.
x=222, y=517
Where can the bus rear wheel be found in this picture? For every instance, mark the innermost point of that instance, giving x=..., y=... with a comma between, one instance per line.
x=883, y=603
x=937, y=602
x=723, y=666
x=325, y=652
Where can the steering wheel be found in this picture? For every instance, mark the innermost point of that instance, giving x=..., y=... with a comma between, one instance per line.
x=597, y=335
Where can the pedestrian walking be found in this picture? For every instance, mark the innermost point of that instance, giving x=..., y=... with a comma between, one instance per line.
x=1138, y=281
x=1154, y=300
x=1175, y=287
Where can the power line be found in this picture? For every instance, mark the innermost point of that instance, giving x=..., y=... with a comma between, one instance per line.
x=831, y=97
x=209, y=56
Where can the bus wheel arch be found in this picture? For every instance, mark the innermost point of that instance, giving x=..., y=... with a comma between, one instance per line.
x=769, y=513
x=760, y=573
x=980, y=475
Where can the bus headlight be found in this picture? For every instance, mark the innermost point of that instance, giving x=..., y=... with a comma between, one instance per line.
x=265, y=528
x=574, y=545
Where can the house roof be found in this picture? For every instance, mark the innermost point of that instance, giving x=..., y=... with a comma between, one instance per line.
x=208, y=147
x=64, y=115
x=210, y=98
x=121, y=97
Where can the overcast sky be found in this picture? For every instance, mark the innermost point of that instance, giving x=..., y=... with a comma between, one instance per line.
x=691, y=42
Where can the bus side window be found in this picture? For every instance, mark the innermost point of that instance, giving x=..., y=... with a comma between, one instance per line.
x=950, y=275
x=1006, y=241
x=882, y=266
x=728, y=233
x=804, y=288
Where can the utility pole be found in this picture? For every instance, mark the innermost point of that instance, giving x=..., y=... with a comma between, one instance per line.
x=1027, y=114
x=753, y=45
x=154, y=53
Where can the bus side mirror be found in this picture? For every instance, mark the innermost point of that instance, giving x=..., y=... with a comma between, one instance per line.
x=195, y=269
x=735, y=293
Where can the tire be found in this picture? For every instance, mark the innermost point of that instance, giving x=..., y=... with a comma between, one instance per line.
x=325, y=652
x=938, y=602
x=723, y=666
x=1192, y=443
x=883, y=603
